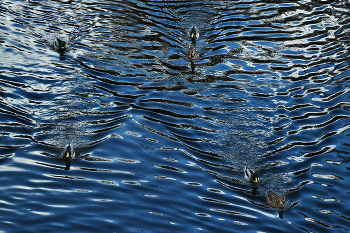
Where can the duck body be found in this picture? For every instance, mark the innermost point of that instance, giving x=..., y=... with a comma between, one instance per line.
x=68, y=153
x=250, y=176
x=192, y=53
x=275, y=200
x=60, y=45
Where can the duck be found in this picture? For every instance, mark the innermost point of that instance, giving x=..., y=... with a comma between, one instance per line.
x=68, y=155
x=192, y=53
x=275, y=200
x=60, y=45
x=193, y=33
x=68, y=152
x=250, y=176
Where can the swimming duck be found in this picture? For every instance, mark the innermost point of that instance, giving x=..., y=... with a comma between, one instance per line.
x=275, y=200
x=193, y=33
x=250, y=176
x=192, y=53
x=60, y=45
x=68, y=152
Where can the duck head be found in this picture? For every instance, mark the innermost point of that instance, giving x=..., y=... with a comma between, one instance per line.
x=255, y=178
x=63, y=45
x=60, y=45
x=193, y=33
x=68, y=152
x=250, y=176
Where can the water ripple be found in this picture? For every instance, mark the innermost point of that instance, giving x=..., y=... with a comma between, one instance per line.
x=269, y=90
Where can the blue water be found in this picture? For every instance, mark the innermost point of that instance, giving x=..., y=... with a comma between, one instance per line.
x=160, y=143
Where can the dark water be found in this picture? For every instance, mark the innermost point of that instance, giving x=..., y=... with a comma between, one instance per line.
x=162, y=148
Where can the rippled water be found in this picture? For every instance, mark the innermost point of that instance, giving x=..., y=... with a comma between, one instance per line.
x=161, y=145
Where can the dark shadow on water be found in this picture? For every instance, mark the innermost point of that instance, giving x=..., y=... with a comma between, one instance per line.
x=62, y=56
x=67, y=165
x=280, y=213
x=255, y=190
x=192, y=67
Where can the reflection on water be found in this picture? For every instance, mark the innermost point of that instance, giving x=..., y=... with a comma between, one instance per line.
x=163, y=119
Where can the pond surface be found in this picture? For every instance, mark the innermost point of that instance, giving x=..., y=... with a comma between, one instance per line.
x=161, y=142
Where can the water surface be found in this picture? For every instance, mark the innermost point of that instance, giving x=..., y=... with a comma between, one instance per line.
x=161, y=146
